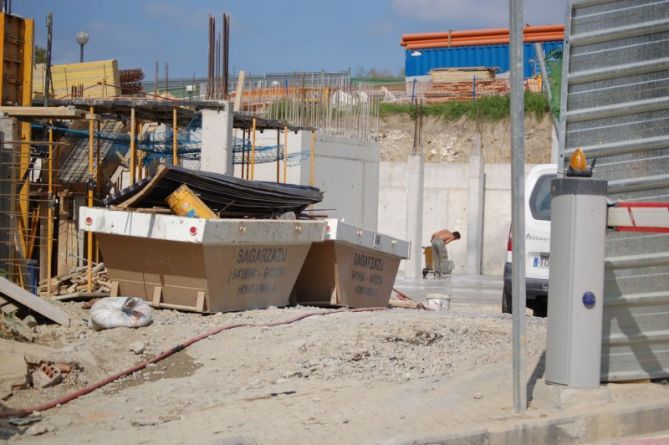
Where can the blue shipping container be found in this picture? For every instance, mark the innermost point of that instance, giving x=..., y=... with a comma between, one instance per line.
x=496, y=56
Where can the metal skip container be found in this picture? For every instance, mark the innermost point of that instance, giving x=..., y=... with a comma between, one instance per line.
x=352, y=267
x=204, y=265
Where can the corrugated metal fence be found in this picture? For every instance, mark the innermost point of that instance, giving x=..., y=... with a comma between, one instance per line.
x=616, y=107
x=467, y=56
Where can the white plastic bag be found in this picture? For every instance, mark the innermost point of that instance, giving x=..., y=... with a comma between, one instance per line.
x=116, y=312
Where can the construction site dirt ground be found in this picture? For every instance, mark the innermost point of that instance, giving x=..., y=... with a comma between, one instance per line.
x=392, y=376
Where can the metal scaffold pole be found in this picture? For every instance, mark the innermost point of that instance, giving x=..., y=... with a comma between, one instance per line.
x=133, y=153
x=253, y=150
x=49, y=222
x=285, y=154
x=89, y=253
x=175, y=134
x=518, y=200
x=312, y=160
x=278, y=156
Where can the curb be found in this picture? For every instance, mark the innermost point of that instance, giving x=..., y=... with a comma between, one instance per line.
x=587, y=428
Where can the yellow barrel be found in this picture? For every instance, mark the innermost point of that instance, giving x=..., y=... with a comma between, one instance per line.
x=184, y=202
x=427, y=253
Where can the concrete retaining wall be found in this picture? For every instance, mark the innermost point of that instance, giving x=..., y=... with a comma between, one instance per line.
x=347, y=170
x=445, y=206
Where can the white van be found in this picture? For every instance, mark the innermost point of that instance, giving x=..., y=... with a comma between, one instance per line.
x=537, y=241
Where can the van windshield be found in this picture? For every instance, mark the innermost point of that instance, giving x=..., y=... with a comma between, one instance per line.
x=540, y=201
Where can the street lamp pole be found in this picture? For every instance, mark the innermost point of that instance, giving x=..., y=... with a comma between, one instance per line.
x=82, y=39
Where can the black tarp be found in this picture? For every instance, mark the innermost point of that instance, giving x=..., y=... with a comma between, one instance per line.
x=229, y=196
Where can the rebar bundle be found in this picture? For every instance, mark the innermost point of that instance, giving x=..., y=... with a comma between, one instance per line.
x=218, y=60
x=334, y=106
x=131, y=81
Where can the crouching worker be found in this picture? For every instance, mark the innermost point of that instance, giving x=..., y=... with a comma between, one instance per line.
x=440, y=261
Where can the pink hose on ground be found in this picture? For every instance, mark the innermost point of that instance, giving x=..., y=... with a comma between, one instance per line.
x=92, y=387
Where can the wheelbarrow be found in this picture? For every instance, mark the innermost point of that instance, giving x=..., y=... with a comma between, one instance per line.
x=428, y=269
x=429, y=264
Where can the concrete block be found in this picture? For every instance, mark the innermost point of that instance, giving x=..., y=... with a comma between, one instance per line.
x=46, y=375
x=217, y=140
x=562, y=397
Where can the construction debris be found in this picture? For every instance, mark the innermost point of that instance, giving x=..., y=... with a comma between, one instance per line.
x=46, y=375
x=18, y=296
x=231, y=197
x=13, y=328
x=74, y=284
x=400, y=300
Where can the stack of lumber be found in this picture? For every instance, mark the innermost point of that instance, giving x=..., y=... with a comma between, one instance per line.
x=463, y=91
x=96, y=79
x=464, y=74
x=14, y=298
x=75, y=281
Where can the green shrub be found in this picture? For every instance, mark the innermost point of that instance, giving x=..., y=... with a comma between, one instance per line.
x=490, y=108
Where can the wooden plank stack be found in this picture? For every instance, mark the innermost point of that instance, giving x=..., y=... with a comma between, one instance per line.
x=75, y=282
x=464, y=74
x=464, y=91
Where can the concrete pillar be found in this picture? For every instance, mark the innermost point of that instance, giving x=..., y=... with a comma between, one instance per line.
x=217, y=140
x=415, y=167
x=475, y=204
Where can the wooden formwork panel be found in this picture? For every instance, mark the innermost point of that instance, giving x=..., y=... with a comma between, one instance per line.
x=16, y=53
x=100, y=79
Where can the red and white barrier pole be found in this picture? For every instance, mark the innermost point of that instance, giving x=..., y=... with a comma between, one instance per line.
x=639, y=217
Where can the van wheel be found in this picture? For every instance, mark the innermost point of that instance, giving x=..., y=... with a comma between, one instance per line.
x=506, y=303
x=540, y=307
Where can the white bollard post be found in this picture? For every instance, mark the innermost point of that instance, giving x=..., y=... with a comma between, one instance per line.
x=576, y=282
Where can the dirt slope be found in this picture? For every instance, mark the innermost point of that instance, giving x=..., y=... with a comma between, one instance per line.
x=453, y=141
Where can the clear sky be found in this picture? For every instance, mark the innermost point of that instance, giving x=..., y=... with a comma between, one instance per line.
x=266, y=35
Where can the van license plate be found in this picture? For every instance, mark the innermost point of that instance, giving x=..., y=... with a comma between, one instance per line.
x=541, y=261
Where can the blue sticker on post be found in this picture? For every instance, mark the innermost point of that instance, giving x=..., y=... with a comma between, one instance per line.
x=589, y=300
